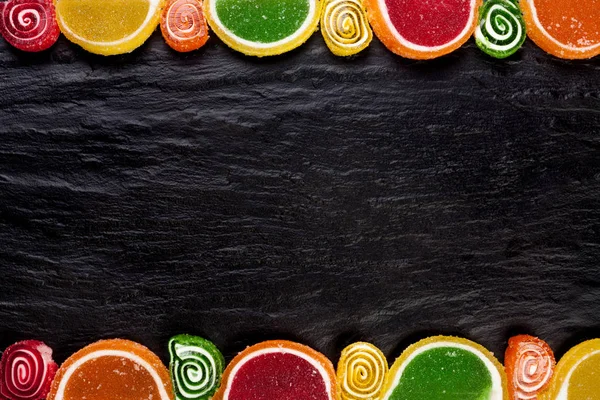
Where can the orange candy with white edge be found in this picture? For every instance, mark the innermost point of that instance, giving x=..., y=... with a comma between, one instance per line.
x=567, y=29
x=112, y=369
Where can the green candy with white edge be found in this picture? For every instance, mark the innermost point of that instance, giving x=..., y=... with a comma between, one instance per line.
x=501, y=31
x=196, y=367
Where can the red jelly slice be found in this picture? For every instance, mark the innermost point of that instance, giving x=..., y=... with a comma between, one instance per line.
x=279, y=370
x=429, y=23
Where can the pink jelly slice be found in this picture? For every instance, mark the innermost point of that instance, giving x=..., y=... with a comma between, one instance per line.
x=429, y=22
x=278, y=376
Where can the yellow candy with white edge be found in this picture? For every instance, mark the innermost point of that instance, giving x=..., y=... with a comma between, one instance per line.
x=577, y=374
x=108, y=27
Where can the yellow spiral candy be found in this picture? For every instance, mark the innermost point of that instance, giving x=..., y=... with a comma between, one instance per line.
x=361, y=372
x=345, y=27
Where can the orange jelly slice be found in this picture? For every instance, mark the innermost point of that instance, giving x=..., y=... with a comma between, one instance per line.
x=564, y=28
x=112, y=370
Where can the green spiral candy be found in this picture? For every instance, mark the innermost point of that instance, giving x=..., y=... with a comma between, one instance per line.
x=501, y=31
x=196, y=367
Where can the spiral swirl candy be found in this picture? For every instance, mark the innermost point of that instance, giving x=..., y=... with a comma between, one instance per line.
x=183, y=25
x=196, y=367
x=529, y=365
x=29, y=25
x=26, y=371
x=345, y=27
x=501, y=31
x=361, y=372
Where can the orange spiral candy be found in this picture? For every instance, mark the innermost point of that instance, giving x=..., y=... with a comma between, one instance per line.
x=529, y=365
x=183, y=25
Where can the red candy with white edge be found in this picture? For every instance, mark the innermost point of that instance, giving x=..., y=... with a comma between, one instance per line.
x=26, y=371
x=29, y=25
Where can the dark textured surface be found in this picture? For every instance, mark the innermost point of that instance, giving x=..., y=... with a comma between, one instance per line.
x=304, y=197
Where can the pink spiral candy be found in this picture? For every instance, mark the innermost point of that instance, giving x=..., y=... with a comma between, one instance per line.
x=26, y=371
x=29, y=25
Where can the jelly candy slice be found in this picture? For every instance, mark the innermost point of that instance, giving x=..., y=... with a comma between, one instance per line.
x=446, y=368
x=108, y=27
x=279, y=370
x=420, y=29
x=263, y=27
x=112, y=369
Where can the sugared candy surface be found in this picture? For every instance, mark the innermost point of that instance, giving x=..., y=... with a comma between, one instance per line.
x=529, y=364
x=108, y=27
x=564, y=28
x=279, y=370
x=196, y=367
x=345, y=26
x=446, y=368
x=263, y=27
x=112, y=370
x=26, y=371
x=501, y=31
x=577, y=374
x=423, y=29
x=29, y=25
x=183, y=25
x=361, y=372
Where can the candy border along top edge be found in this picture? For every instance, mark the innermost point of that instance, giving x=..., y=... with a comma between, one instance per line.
x=152, y=11
x=497, y=381
x=427, y=49
x=540, y=26
x=248, y=45
x=284, y=350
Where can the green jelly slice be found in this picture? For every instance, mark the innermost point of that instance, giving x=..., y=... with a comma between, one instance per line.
x=444, y=373
x=263, y=21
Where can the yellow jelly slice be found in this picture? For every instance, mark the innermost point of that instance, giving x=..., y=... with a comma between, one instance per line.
x=577, y=375
x=108, y=27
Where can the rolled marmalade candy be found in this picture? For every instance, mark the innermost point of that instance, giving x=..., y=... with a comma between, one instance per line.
x=278, y=369
x=361, y=372
x=446, y=368
x=29, y=25
x=183, y=25
x=422, y=30
x=501, y=31
x=529, y=363
x=196, y=367
x=263, y=28
x=26, y=371
x=112, y=369
x=345, y=26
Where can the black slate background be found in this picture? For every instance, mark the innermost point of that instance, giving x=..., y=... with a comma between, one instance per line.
x=305, y=197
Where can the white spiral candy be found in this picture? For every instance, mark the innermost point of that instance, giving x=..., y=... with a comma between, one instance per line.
x=501, y=31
